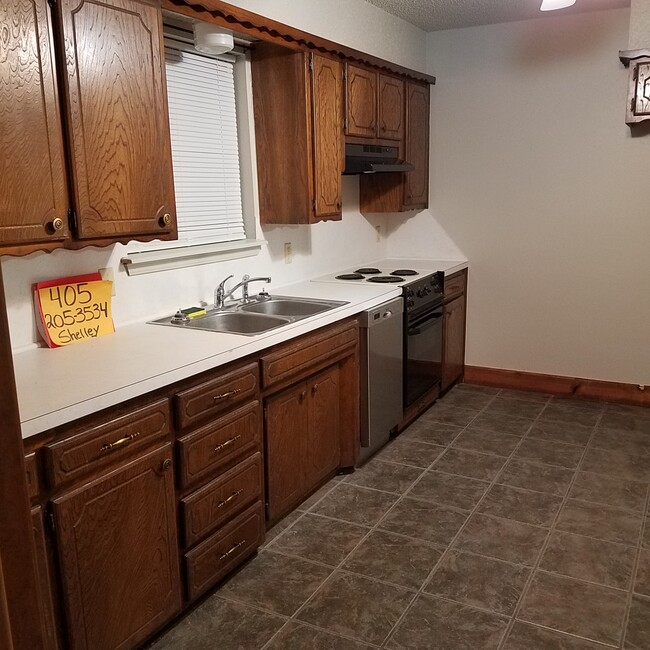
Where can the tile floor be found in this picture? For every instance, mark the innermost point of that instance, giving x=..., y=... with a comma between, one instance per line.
x=500, y=519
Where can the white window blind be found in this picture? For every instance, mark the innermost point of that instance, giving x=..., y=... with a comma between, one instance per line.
x=205, y=148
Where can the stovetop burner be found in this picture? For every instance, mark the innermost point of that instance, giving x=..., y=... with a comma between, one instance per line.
x=368, y=270
x=404, y=272
x=350, y=276
x=384, y=279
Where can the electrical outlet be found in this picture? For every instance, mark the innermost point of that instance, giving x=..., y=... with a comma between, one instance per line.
x=287, y=253
x=378, y=230
x=107, y=274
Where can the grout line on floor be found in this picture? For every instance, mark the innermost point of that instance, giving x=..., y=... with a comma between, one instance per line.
x=542, y=551
x=461, y=529
x=630, y=595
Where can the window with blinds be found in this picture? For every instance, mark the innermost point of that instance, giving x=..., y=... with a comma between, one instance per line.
x=205, y=147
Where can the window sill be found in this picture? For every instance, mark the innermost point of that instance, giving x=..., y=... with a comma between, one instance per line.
x=139, y=263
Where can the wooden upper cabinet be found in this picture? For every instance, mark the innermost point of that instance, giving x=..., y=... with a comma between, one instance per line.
x=33, y=199
x=298, y=105
x=397, y=192
x=117, y=118
x=391, y=108
x=361, y=102
x=374, y=105
x=327, y=118
x=416, y=190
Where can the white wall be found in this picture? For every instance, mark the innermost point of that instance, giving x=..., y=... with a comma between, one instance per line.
x=536, y=177
x=639, y=24
x=354, y=23
x=316, y=249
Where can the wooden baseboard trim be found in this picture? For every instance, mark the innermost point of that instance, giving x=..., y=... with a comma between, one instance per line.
x=591, y=389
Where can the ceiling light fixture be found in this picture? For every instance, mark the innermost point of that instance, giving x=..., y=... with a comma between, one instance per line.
x=210, y=39
x=552, y=5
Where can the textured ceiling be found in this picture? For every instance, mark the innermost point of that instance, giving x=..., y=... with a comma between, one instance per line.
x=432, y=15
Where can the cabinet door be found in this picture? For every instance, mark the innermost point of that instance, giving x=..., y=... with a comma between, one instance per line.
x=391, y=108
x=453, y=342
x=361, y=102
x=118, y=554
x=416, y=194
x=327, y=120
x=45, y=584
x=323, y=444
x=33, y=200
x=286, y=430
x=117, y=118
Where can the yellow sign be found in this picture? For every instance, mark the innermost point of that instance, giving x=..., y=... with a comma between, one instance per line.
x=74, y=309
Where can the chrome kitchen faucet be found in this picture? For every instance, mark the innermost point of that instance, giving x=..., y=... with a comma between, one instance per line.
x=220, y=294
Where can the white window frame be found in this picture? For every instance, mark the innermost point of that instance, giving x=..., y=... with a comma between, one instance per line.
x=150, y=257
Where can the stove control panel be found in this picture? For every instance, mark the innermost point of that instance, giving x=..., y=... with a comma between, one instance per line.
x=424, y=291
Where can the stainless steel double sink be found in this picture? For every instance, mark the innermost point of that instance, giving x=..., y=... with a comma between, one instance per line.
x=254, y=316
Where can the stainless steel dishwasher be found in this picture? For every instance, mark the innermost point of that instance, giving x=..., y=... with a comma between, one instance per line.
x=381, y=374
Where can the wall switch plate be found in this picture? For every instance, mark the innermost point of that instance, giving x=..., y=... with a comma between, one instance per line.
x=378, y=230
x=107, y=274
x=287, y=253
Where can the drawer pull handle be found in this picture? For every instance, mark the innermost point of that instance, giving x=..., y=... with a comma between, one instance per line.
x=228, y=442
x=229, y=393
x=118, y=443
x=229, y=499
x=223, y=556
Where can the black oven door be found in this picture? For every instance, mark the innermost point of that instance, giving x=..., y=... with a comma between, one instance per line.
x=422, y=354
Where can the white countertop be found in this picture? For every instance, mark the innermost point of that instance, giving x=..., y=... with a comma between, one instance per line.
x=448, y=267
x=57, y=386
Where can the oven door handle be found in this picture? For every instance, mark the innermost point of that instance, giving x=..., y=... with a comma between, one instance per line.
x=424, y=323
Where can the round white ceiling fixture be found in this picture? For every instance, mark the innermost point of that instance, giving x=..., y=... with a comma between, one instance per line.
x=211, y=39
x=552, y=5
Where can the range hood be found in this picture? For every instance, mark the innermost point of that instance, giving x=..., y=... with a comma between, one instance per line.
x=370, y=159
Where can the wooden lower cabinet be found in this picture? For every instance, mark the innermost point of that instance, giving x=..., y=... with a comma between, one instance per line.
x=223, y=551
x=453, y=342
x=45, y=594
x=208, y=508
x=302, y=440
x=322, y=454
x=118, y=554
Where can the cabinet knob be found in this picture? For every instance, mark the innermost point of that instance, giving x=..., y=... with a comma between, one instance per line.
x=167, y=465
x=165, y=220
x=302, y=396
x=339, y=205
x=314, y=389
x=55, y=225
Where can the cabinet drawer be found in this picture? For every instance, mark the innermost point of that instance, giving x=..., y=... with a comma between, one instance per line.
x=309, y=351
x=219, y=444
x=210, y=507
x=31, y=476
x=106, y=443
x=222, y=552
x=455, y=284
x=216, y=395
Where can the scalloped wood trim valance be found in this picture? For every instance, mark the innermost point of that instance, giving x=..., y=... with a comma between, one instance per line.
x=265, y=29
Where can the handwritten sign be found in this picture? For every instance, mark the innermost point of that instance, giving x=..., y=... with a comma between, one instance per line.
x=69, y=310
